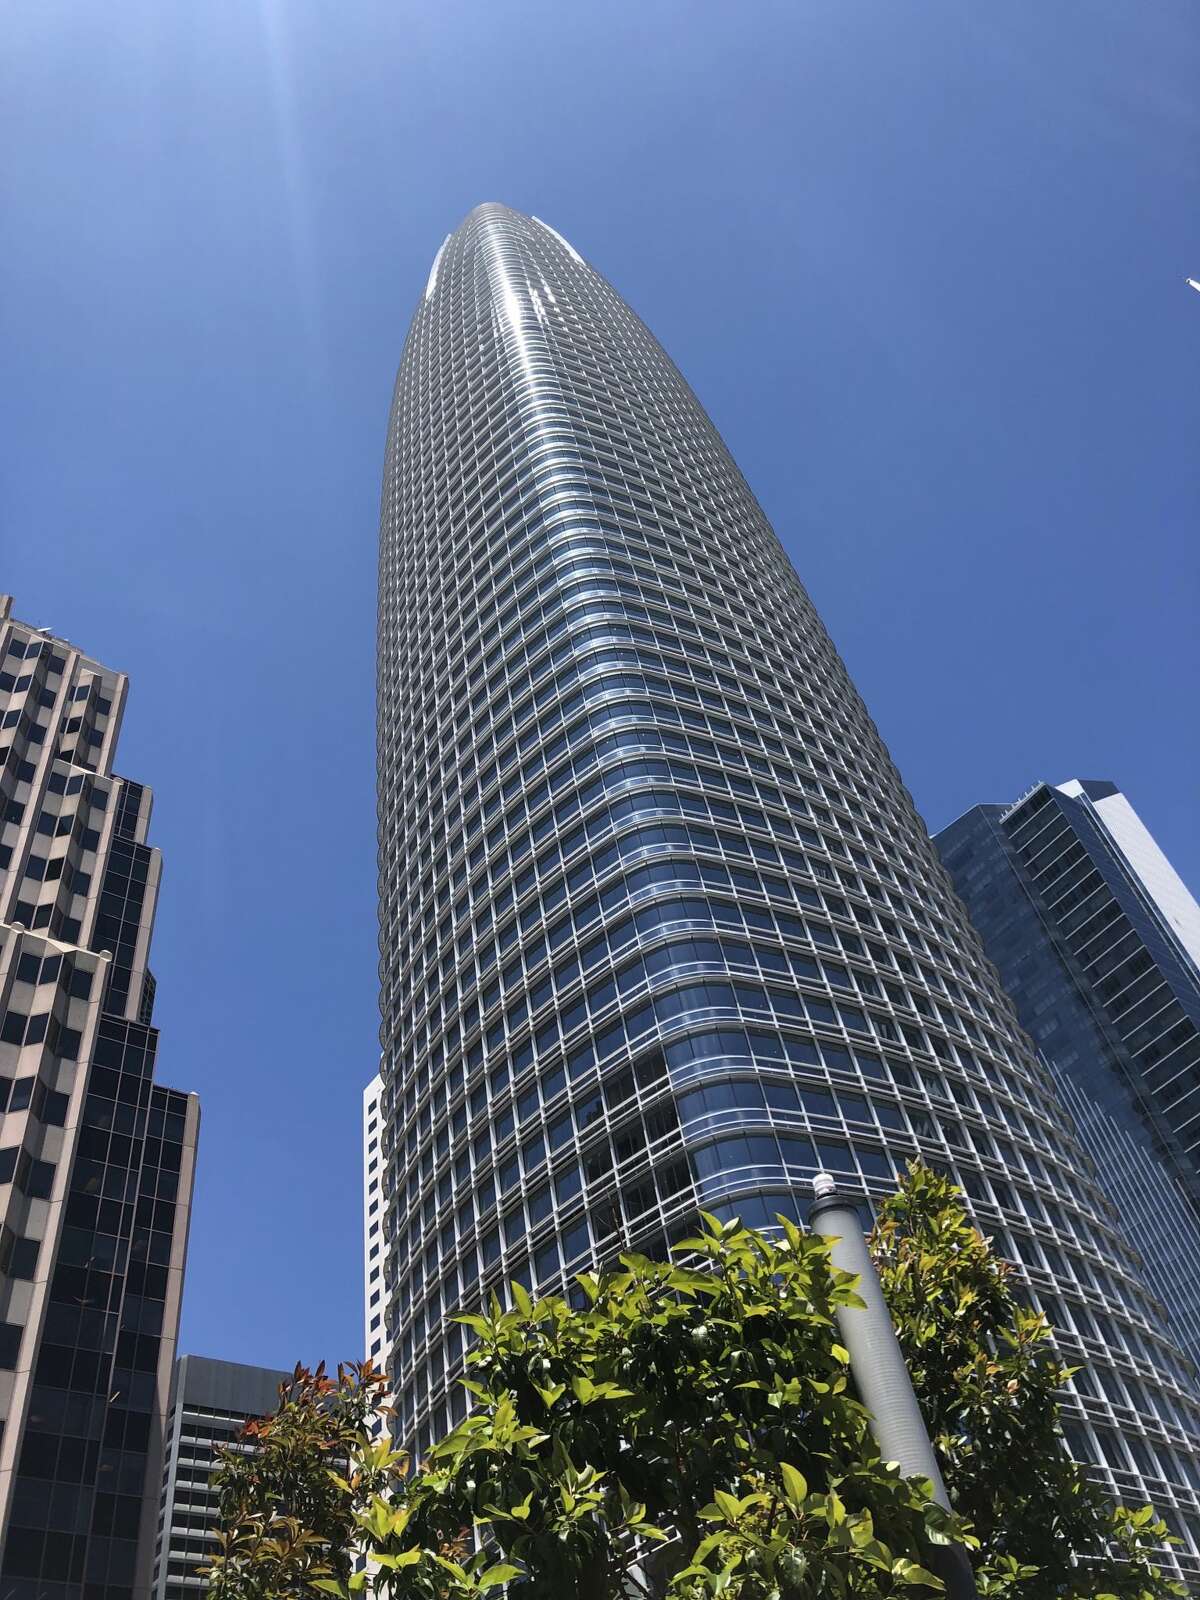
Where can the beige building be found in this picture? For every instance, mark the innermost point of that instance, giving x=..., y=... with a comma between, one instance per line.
x=96, y=1159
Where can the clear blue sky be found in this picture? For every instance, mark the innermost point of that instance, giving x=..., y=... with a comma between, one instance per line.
x=923, y=263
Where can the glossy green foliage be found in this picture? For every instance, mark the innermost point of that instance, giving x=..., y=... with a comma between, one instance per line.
x=290, y=1492
x=692, y=1432
x=989, y=1377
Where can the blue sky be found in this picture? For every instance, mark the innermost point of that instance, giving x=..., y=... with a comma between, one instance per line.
x=923, y=263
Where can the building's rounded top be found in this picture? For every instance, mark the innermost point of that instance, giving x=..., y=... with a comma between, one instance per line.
x=489, y=214
x=487, y=210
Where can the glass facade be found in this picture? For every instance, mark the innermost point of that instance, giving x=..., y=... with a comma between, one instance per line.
x=660, y=925
x=96, y=1159
x=1088, y=935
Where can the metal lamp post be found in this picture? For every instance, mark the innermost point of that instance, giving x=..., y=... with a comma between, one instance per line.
x=879, y=1370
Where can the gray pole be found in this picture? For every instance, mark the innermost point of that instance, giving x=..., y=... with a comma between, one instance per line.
x=880, y=1374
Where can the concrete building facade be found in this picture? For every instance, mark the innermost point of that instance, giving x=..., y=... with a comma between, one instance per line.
x=375, y=1337
x=96, y=1159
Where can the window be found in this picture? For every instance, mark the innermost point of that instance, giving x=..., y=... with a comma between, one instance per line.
x=10, y=1344
x=12, y=1030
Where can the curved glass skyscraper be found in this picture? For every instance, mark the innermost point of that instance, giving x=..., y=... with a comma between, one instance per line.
x=660, y=925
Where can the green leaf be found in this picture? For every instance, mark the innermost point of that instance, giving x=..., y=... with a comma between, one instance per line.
x=477, y=1324
x=405, y=1558
x=520, y=1295
x=452, y=1567
x=909, y=1572
x=728, y=1504
x=500, y=1573
x=795, y=1485
x=686, y=1246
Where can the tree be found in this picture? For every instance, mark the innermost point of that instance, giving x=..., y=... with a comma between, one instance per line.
x=692, y=1432
x=988, y=1377
x=290, y=1491
x=701, y=1415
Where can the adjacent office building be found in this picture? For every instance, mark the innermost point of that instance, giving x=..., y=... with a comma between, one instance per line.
x=375, y=1339
x=1097, y=940
x=211, y=1402
x=660, y=925
x=96, y=1159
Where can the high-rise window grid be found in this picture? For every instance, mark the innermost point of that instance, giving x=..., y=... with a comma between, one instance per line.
x=659, y=924
x=1150, y=995
x=211, y=1402
x=1092, y=943
x=95, y=1158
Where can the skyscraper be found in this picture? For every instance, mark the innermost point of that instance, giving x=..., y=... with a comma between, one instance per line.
x=375, y=1340
x=660, y=926
x=211, y=1402
x=96, y=1159
x=1096, y=940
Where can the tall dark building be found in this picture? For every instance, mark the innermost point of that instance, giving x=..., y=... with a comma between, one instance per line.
x=96, y=1159
x=211, y=1402
x=1096, y=939
x=660, y=925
